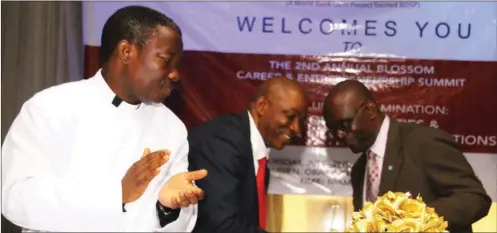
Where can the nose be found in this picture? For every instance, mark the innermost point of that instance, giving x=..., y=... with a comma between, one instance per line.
x=295, y=127
x=174, y=75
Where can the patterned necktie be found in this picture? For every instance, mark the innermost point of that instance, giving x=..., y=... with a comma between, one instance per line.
x=261, y=191
x=373, y=177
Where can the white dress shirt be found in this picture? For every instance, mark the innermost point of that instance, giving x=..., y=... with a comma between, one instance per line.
x=378, y=148
x=67, y=151
x=259, y=148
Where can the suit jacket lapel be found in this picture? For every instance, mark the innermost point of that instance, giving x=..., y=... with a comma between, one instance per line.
x=245, y=127
x=246, y=133
x=358, y=181
x=266, y=178
x=392, y=161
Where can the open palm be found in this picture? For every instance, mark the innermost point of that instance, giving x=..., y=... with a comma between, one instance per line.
x=180, y=191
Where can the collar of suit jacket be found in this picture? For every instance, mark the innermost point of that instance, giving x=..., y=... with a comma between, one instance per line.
x=380, y=144
x=259, y=148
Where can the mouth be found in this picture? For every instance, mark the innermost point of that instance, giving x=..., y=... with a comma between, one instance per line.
x=167, y=86
x=286, y=137
x=349, y=143
x=167, y=90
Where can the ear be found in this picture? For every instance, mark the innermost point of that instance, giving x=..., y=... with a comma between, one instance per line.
x=125, y=51
x=372, y=109
x=261, y=105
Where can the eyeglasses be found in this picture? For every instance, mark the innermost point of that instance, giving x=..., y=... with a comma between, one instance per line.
x=344, y=125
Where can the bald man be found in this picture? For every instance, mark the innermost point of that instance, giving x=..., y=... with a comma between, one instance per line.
x=234, y=149
x=403, y=157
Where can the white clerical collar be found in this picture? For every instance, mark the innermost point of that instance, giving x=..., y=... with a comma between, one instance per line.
x=110, y=96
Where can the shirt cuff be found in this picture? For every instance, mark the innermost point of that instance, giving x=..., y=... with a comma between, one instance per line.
x=166, y=215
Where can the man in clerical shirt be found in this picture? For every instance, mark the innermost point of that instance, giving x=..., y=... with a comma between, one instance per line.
x=105, y=154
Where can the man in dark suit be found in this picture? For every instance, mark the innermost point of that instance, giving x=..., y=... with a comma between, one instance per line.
x=403, y=157
x=234, y=149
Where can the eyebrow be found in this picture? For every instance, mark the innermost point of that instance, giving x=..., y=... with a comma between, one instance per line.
x=301, y=115
x=293, y=109
x=166, y=53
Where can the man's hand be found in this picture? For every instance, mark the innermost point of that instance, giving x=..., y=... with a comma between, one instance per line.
x=141, y=173
x=179, y=190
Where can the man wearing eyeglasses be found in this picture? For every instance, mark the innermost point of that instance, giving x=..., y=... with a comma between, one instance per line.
x=402, y=157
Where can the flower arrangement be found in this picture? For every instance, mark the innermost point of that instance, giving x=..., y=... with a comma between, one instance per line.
x=397, y=212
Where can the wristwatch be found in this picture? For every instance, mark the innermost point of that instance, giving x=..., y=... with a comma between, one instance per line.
x=164, y=209
x=166, y=215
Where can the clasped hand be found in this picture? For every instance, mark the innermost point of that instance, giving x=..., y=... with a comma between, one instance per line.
x=140, y=174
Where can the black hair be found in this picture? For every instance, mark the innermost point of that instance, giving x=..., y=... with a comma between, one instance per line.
x=358, y=88
x=134, y=24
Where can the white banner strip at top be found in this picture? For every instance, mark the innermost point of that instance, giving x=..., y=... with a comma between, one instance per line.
x=416, y=30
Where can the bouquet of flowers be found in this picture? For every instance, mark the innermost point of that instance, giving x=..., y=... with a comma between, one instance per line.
x=397, y=212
